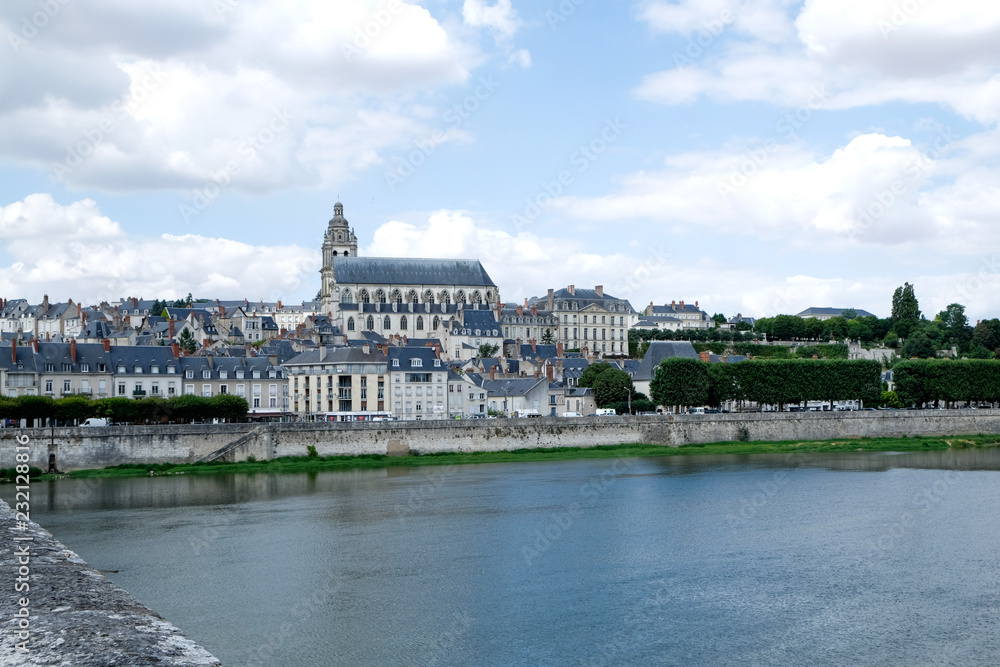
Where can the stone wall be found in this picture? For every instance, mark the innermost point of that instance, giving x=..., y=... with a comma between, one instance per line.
x=76, y=448
x=75, y=615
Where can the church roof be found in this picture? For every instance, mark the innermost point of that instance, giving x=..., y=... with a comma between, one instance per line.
x=406, y=271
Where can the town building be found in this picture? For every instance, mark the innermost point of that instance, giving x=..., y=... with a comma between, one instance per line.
x=588, y=319
x=338, y=383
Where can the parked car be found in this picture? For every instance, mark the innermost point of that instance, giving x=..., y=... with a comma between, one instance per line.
x=95, y=421
x=571, y=414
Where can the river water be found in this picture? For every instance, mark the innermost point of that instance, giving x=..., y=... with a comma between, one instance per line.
x=866, y=558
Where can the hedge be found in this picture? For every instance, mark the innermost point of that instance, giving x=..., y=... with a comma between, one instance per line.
x=153, y=409
x=921, y=381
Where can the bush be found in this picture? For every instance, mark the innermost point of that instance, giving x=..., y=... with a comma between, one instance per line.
x=312, y=453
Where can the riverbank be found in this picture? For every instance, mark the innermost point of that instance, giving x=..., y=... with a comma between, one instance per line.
x=293, y=464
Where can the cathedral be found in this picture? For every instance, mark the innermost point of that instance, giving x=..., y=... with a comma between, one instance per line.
x=391, y=296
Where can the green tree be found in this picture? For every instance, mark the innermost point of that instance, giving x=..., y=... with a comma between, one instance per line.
x=612, y=386
x=788, y=327
x=891, y=339
x=891, y=400
x=487, y=350
x=987, y=334
x=188, y=407
x=835, y=328
x=919, y=345
x=74, y=409
x=679, y=381
x=186, y=341
x=955, y=324
x=229, y=407
x=35, y=408
x=905, y=310
x=849, y=314
x=591, y=373
x=719, y=318
x=548, y=338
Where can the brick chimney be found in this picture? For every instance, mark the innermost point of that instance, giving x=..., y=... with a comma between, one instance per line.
x=551, y=304
x=34, y=344
x=599, y=289
x=520, y=310
x=559, y=349
x=385, y=349
x=405, y=339
x=437, y=349
x=571, y=289
x=205, y=342
x=107, y=345
x=493, y=372
x=279, y=304
x=534, y=310
x=170, y=328
x=695, y=304
x=705, y=356
x=682, y=304
x=673, y=304
x=72, y=350
x=550, y=372
x=534, y=347
x=176, y=348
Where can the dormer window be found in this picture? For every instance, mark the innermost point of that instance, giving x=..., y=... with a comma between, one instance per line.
x=395, y=363
x=272, y=374
x=256, y=375
x=171, y=370
x=84, y=368
x=121, y=370
x=137, y=369
x=206, y=375
x=50, y=368
x=223, y=374
x=154, y=369
x=239, y=375
x=189, y=375
x=416, y=363
x=437, y=363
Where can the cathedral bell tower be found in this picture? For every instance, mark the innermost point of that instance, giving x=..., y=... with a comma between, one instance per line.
x=339, y=241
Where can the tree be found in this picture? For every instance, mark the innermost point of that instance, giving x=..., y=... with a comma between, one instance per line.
x=788, y=327
x=849, y=314
x=835, y=328
x=186, y=341
x=74, y=409
x=891, y=339
x=612, y=386
x=36, y=407
x=679, y=381
x=955, y=324
x=987, y=334
x=905, y=310
x=919, y=345
x=719, y=318
x=591, y=373
x=548, y=338
x=487, y=350
x=229, y=407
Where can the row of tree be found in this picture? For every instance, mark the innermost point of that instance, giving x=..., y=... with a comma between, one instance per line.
x=953, y=381
x=780, y=382
x=75, y=409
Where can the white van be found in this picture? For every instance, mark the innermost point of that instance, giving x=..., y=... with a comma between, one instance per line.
x=95, y=421
x=572, y=414
x=606, y=412
x=696, y=411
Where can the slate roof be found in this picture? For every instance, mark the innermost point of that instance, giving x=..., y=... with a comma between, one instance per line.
x=406, y=271
x=540, y=352
x=339, y=355
x=96, y=329
x=514, y=387
x=660, y=350
x=406, y=354
x=831, y=312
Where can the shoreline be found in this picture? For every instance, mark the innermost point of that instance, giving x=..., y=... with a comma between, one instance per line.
x=299, y=464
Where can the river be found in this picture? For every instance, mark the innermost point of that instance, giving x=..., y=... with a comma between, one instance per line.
x=862, y=558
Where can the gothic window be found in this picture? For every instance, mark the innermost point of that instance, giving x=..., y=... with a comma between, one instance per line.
x=429, y=297
x=380, y=296
x=386, y=323
x=445, y=297
x=397, y=296
x=411, y=297
x=477, y=298
x=363, y=297
x=420, y=323
x=460, y=297
x=350, y=324
x=435, y=323
x=346, y=296
x=402, y=323
x=489, y=296
x=371, y=323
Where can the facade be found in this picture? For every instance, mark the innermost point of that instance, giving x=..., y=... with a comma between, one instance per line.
x=529, y=322
x=469, y=329
x=676, y=315
x=394, y=296
x=657, y=351
x=56, y=370
x=417, y=383
x=466, y=398
x=823, y=314
x=331, y=380
x=589, y=319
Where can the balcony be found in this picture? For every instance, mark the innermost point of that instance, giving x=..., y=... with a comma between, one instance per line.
x=138, y=393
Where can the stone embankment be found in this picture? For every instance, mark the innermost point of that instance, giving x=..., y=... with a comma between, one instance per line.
x=75, y=616
x=76, y=448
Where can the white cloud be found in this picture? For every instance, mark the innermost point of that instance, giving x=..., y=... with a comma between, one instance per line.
x=864, y=52
x=111, y=104
x=74, y=251
x=501, y=17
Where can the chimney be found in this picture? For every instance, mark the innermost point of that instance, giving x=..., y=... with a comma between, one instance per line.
x=673, y=304
x=47, y=337
x=599, y=289
x=205, y=342
x=534, y=310
x=404, y=339
x=499, y=312
x=34, y=344
x=170, y=329
x=279, y=304
x=365, y=349
x=520, y=310
x=493, y=372
x=385, y=349
x=550, y=372
x=437, y=349
x=107, y=345
x=682, y=304
x=176, y=347
x=222, y=311
x=551, y=299
x=559, y=349
x=322, y=352
x=211, y=361
x=571, y=289
x=695, y=304
x=72, y=350
x=13, y=350
x=705, y=356
x=534, y=347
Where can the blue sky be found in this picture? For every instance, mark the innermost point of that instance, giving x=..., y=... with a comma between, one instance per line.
x=757, y=156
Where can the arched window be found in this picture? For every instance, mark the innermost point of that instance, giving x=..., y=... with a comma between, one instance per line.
x=429, y=297
x=435, y=323
x=386, y=323
x=477, y=298
x=345, y=253
x=411, y=297
x=350, y=324
x=420, y=323
x=363, y=297
x=397, y=296
x=334, y=253
x=346, y=296
x=402, y=323
x=460, y=297
x=489, y=296
x=445, y=297
x=380, y=296
x=370, y=323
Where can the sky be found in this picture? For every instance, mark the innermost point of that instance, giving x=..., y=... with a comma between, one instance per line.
x=756, y=156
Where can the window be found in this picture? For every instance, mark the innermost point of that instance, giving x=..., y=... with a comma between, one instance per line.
x=189, y=375
x=121, y=388
x=67, y=368
x=155, y=389
x=48, y=386
x=256, y=376
x=66, y=386
x=602, y=319
x=416, y=363
x=171, y=370
x=224, y=389
x=137, y=370
x=189, y=389
x=154, y=369
x=402, y=322
x=386, y=323
x=370, y=323
x=206, y=390
x=395, y=363
x=420, y=323
x=206, y=375
x=102, y=386
x=101, y=368
x=584, y=319
x=241, y=390
x=223, y=374
x=239, y=374
x=435, y=323
x=350, y=324
x=171, y=389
